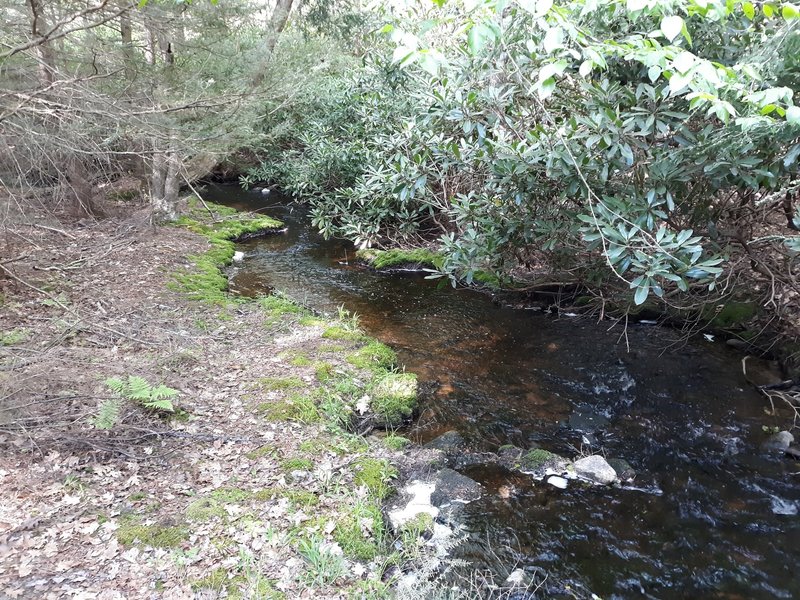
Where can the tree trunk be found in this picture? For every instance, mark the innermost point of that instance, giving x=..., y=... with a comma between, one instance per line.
x=80, y=185
x=277, y=23
x=44, y=51
x=165, y=186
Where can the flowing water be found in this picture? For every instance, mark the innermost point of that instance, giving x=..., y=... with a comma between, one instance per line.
x=709, y=516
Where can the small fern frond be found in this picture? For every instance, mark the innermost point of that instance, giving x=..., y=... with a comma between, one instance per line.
x=159, y=404
x=137, y=388
x=107, y=414
x=161, y=392
x=116, y=385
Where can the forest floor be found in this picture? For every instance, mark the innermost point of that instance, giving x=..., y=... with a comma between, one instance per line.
x=252, y=487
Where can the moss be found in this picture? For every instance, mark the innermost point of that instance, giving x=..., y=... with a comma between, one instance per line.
x=338, y=332
x=280, y=383
x=330, y=348
x=230, y=495
x=13, y=337
x=376, y=474
x=540, y=459
x=395, y=442
x=374, y=355
x=204, y=509
x=419, y=525
x=137, y=496
x=157, y=536
x=297, y=464
x=386, y=259
x=311, y=321
x=298, y=497
x=294, y=408
x=733, y=314
x=261, y=452
x=323, y=371
x=488, y=279
x=277, y=305
x=205, y=281
x=217, y=581
x=394, y=398
x=354, y=535
x=300, y=359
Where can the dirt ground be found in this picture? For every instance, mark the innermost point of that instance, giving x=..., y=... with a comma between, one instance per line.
x=225, y=497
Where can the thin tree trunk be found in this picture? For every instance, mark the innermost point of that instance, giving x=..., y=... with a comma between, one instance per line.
x=44, y=51
x=277, y=23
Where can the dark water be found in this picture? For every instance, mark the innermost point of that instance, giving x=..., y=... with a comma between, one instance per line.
x=708, y=516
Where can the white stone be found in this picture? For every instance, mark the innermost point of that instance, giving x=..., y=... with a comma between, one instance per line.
x=238, y=256
x=595, y=468
x=558, y=482
x=420, y=502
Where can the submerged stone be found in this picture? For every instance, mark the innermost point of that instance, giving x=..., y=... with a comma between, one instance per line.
x=452, y=486
x=777, y=442
x=449, y=442
x=595, y=468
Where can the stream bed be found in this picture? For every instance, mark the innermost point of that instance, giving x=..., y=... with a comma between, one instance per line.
x=708, y=515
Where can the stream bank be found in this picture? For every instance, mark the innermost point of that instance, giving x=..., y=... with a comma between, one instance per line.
x=681, y=413
x=251, y=487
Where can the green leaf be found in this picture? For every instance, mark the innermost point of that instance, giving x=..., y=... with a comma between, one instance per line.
x=790, y=11
x=749, y=10
x=641, y=293
x=793, y=115
x=672, y=26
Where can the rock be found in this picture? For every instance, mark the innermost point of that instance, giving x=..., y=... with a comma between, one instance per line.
x=777, y=442
x=454, y=488
x=540, y=462
x=238, y=256
x=557, y=481
x=416, y=500
x=266, y=191
x=595, y=468
x=450, y=442
x=519, y=578
x=623, y=470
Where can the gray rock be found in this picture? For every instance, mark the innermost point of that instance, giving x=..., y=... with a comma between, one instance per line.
x=453, y=487
x=539, y=461
x=777, y=442
x=595, y=468
x=450, y=442
x=557, y=481
x=624, y=471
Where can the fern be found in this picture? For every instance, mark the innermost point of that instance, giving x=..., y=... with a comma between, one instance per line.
x=107, y=415
x=137, y=389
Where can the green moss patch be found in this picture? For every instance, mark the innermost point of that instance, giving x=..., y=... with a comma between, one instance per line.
x=205, y=509
x=280, y=383
x=733, y=314
x=395, y=442
x=387, y=259
x=394, y=398
x=338, y=332
x=361, y=532
x=374, y=355
x=205, y=281
x=158, y=536
x=294, y=408
x=376, y=474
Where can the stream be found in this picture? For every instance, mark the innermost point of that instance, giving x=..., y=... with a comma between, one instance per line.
x=708, y=515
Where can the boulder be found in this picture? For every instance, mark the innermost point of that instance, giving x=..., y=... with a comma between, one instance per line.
x=777, y=442
x=450, y=442
x=595, y=468
x=540, y=462
x=623, y=470
x=454, y=488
